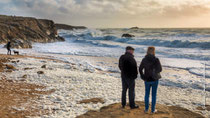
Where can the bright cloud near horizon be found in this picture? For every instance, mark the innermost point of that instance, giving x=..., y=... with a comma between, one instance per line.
x=114, y=13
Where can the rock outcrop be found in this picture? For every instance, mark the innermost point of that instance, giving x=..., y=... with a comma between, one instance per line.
x=20, y=43
x=23, y=31
x=134, y=28
x=163, y=111
x=128, y=35
x=68, y=27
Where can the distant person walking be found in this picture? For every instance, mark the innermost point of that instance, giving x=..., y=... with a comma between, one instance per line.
x=129, y=72
x=151, y=75
x=8, y=46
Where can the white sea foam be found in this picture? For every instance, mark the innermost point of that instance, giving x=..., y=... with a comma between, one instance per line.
x=73, y=83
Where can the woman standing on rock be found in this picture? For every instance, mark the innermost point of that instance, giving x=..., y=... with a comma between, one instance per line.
x=8, y=48
x=151, y=75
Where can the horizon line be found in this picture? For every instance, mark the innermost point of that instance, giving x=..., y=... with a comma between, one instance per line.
x=208, y=27
x=151, y=27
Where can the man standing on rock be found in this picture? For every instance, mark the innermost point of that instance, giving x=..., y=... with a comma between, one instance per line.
x=8, y=46
x=128, y=67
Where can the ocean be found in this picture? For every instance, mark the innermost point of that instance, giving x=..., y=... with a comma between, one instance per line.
x=181, y=48
x=178, y=43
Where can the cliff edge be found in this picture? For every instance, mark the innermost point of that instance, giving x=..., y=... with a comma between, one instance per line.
x=68, y=27
x=23, y=31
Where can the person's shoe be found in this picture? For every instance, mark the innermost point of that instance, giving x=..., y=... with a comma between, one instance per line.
x=146, y=111
x=135, y=107
x=123, y=106
x=153, y=112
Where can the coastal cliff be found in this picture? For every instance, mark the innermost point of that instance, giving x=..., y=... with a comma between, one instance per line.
x=68, y=27
x=23, y=31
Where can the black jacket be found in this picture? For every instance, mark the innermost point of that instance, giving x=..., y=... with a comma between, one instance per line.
x=128, y=66
x=8, y=46
x=148, y=63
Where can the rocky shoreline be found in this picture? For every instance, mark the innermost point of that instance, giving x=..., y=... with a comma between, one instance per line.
x=23, y=31
x=82, y=91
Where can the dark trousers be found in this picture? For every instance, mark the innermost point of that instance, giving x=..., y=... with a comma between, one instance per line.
x=8, y=51
x=128, y=84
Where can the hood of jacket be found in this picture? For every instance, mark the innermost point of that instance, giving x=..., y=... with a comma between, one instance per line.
x=150, y=58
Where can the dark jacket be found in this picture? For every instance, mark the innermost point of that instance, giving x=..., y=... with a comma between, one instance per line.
x=148, y=63
x=8, y=46
x=128, y=66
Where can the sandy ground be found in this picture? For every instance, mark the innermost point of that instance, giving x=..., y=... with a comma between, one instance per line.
x=75, y=82
x=16, y=94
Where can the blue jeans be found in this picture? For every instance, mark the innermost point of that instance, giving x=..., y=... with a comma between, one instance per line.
x=154, y=86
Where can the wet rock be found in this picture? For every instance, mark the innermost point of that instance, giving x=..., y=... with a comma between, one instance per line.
x=10, y=67
x=43, y=66
x=86, y=70
x=24, y=76
x=28, y=68
x=128, y=35
x=202, y=108
x=8, y=71
x=40, y=72
x=74, y=68
x=22, y=80
x=10, y=81
x=13, y=62
x=92, y=100
x=134, y=28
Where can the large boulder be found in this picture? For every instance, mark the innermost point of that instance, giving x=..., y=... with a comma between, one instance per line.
x=128, y=35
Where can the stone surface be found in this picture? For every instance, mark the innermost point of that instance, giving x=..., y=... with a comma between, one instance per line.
x=128, y=35
x=40, y=72
x=163, y=111
x=44, y=66
x=134, y=28
x=22, y=31
x=68, y=27
x=93, y=100
x=10, y=67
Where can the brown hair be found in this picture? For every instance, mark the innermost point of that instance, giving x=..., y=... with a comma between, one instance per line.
x=151, y=50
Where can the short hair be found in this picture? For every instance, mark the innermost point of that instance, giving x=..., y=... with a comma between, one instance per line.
x=129, y=48
x=151, y=50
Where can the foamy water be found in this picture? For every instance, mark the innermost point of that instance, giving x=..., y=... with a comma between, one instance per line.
x=180, y=48
x=187, y=49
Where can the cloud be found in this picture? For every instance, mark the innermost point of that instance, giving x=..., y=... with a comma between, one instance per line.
x=108, y=7
x=185, y=11
x=74, y=11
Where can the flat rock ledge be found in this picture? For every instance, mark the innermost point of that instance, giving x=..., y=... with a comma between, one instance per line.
x=116, y=111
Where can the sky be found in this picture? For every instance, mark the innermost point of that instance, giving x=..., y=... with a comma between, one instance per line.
x=114, y=13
